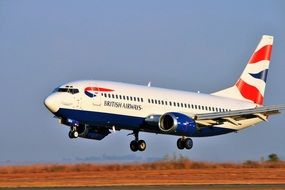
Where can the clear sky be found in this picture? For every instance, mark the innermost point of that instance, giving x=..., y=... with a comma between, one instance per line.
x=188, y=45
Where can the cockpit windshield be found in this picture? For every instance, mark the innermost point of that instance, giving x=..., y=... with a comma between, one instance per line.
x=70, y=90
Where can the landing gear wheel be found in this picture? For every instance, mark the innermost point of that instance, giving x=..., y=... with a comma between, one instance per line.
x=141, y=145
x=184, y=143
x=75, y=134
x=70, y=135
x=188, y=143
x=137, y=144
x=134, y=146
x=180, y=144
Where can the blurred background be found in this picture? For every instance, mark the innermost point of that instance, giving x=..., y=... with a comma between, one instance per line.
x=185, y=45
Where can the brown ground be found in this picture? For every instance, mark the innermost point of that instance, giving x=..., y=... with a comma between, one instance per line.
x=157, y=173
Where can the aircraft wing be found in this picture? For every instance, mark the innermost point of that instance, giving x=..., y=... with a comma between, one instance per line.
x=209, y=119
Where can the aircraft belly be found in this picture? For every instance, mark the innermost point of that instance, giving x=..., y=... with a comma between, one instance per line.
x=138, y=123
x=102, y=119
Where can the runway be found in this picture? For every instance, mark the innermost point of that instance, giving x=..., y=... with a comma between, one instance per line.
x=171, y=187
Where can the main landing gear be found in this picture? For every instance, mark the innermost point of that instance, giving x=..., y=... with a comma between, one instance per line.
x=184, y=143
x=73, y=133
x=137, y=144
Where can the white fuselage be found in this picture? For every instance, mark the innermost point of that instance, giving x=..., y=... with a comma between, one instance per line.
x=135, y=101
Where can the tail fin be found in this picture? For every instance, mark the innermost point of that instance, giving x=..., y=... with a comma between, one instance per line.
x=252, y=82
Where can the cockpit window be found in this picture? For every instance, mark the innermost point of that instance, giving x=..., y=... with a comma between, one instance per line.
x=68, y=90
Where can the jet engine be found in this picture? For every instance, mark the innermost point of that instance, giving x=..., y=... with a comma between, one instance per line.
x=177, y=123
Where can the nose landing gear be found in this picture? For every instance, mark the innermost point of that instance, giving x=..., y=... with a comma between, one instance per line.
x=73, y=133
x=137, y=144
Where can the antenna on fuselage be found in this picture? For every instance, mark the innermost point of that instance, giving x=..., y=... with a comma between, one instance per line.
x=114, y=129
x=149, y=84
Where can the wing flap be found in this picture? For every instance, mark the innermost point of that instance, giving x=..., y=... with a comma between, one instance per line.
x=231, y=116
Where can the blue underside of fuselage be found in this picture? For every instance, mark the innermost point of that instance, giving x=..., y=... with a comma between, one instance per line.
x=129, y=122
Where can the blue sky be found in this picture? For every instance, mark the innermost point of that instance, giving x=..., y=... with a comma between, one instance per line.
x=186, y=45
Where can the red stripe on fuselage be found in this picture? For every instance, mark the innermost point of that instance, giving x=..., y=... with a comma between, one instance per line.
x=263, y=53
x=250, y=92
x=98, y=89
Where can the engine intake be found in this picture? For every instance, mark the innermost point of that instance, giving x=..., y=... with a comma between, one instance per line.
x=177, y=123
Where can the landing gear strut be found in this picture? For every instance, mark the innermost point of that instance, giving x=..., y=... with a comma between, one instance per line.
x=184, y=143
x=73, y=133
x=137, y=144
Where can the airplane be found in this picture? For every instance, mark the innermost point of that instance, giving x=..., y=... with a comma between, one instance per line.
x=93, y=109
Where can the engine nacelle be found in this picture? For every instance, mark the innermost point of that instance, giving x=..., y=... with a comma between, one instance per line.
x=178, y=123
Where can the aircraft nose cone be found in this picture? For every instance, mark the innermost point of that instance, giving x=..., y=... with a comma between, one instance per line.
x=51, y=103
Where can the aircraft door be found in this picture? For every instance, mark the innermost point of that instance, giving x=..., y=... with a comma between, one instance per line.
x=77, y=101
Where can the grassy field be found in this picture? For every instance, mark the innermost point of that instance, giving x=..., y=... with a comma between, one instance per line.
x=181, y=171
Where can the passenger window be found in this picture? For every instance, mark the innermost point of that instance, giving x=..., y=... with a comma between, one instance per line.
x=131, y=98
x=166, y=103
x=162, y=102
x=135, y=99
x=202, y=107
x=109, y=95
x=120, y=96
x=127, y=97
x=141, y=99
x=124, y=97
x=174, y=104
x=152, y=101
x=170, y=103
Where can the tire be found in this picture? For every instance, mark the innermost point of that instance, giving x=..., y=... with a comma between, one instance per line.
x=75, y=134
x=180, y=144
x=70, y=135
x=188, y=143
x=141, y=145
x=134, y=146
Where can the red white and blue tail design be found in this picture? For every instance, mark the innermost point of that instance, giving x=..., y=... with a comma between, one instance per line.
x=252, y=82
